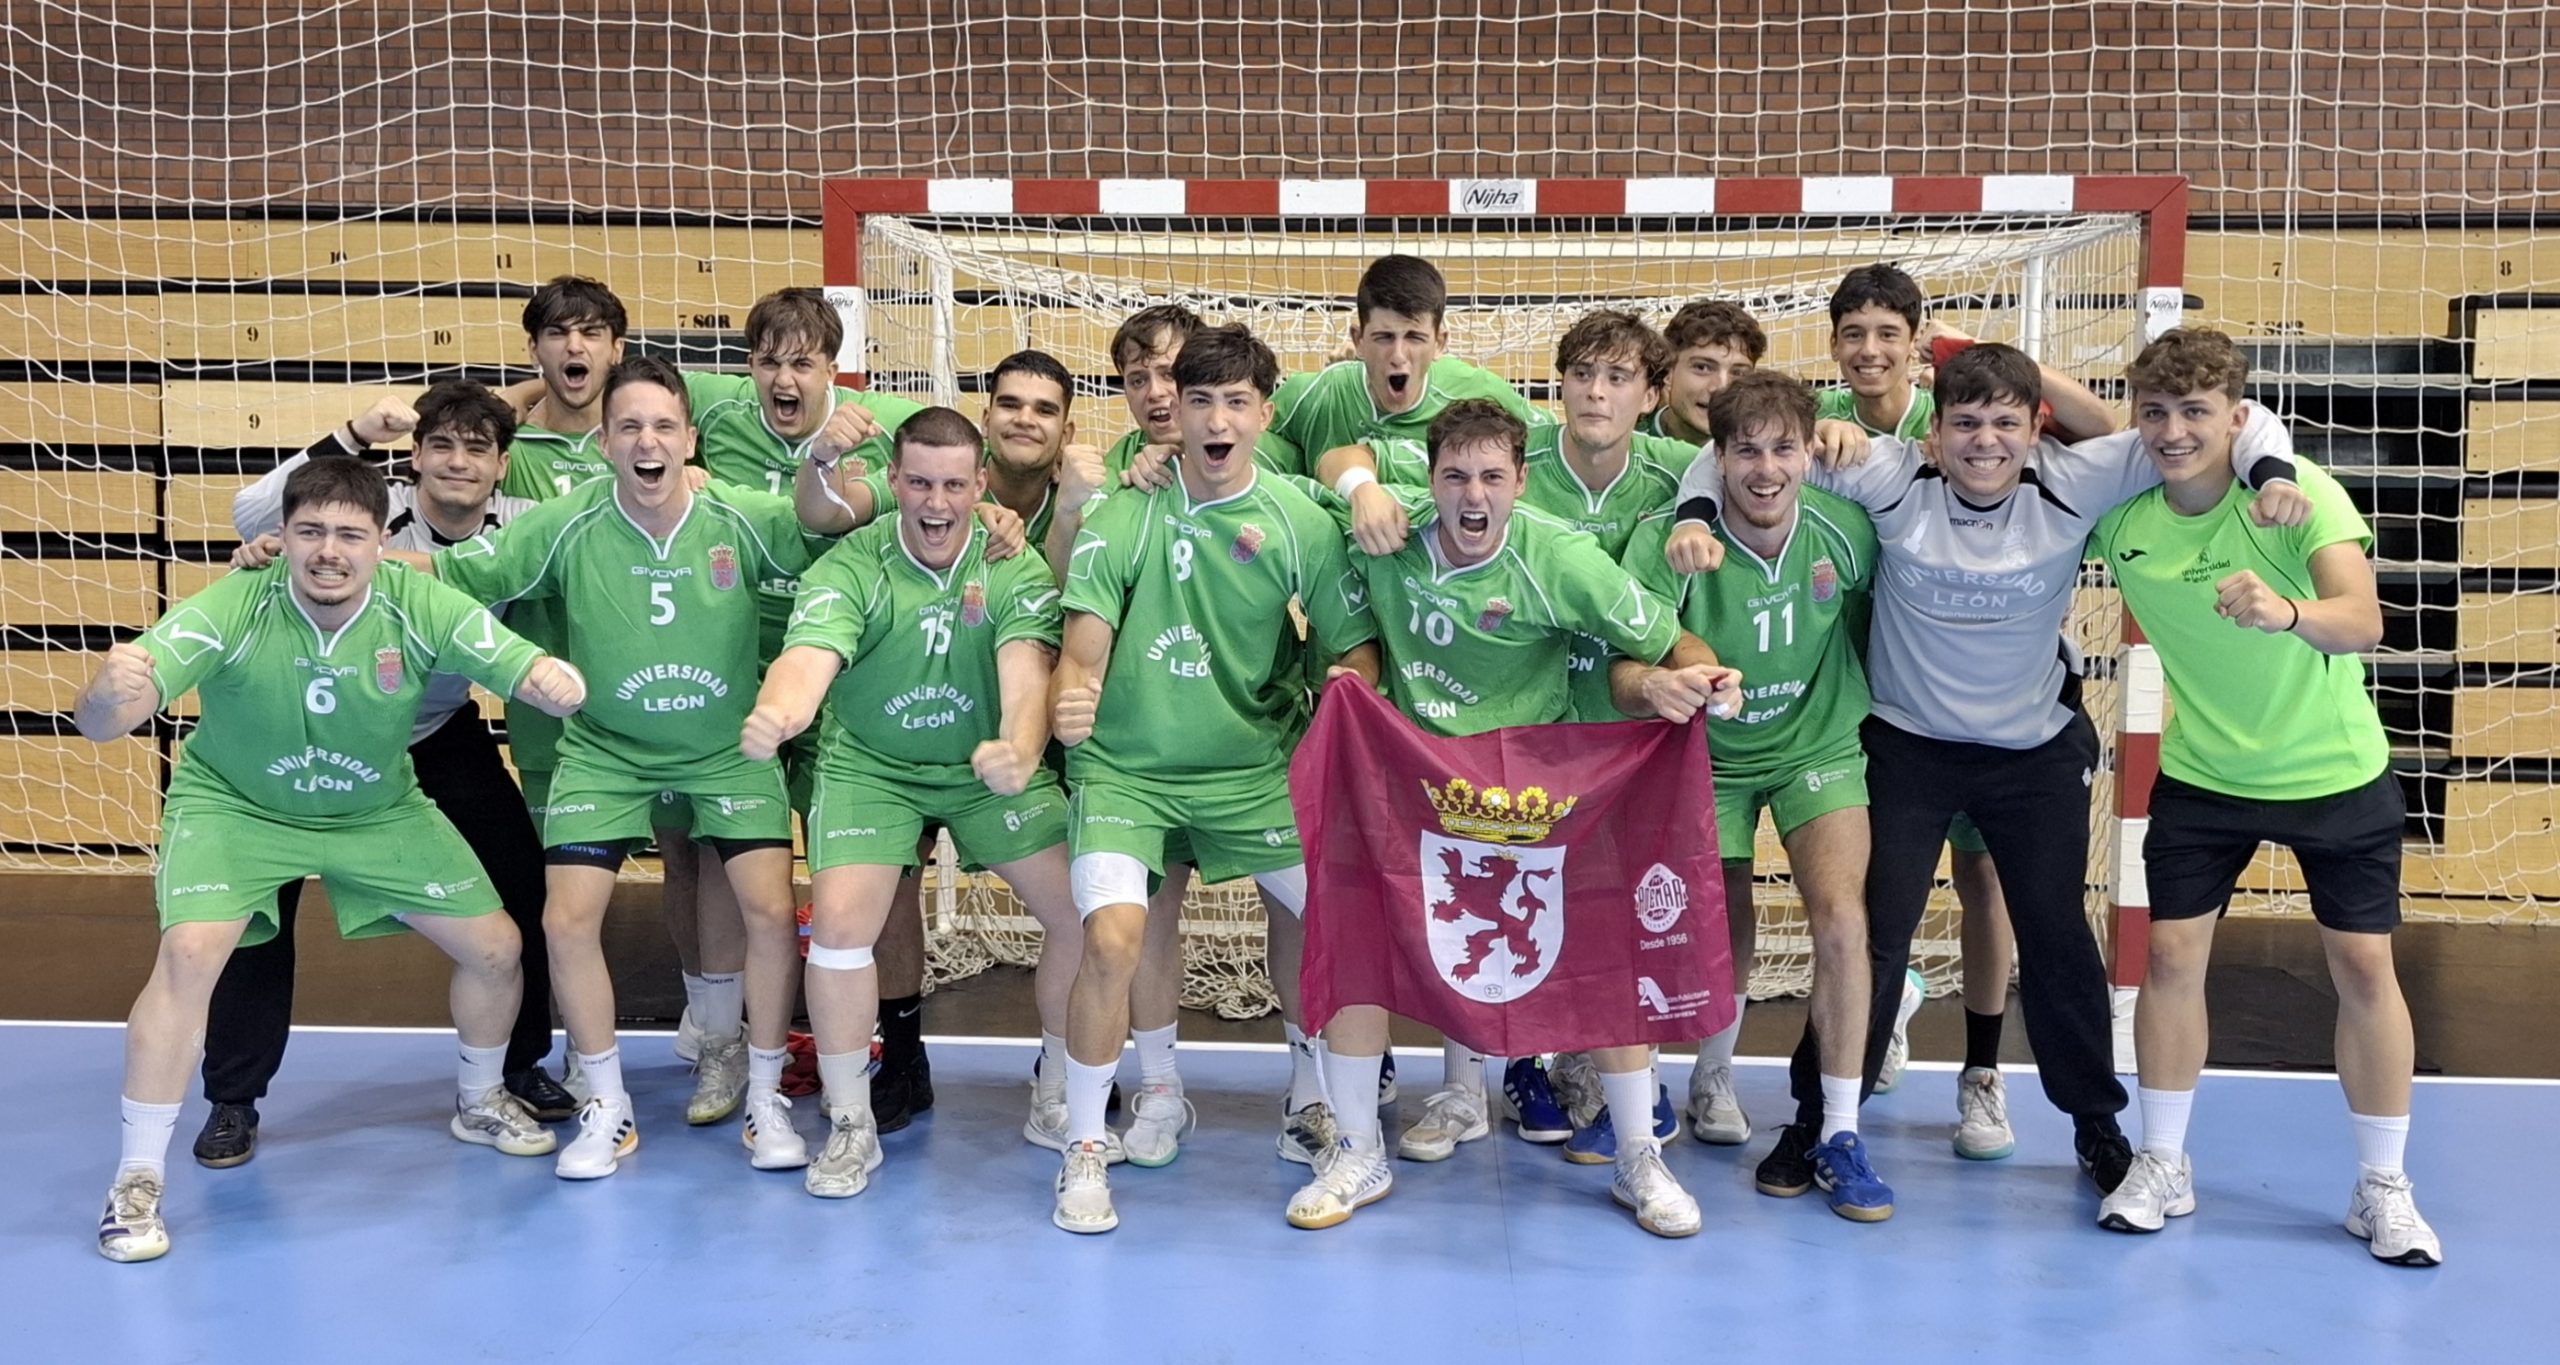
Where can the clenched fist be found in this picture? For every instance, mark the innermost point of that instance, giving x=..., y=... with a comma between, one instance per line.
x=124, y=676
x=554, y=686
x=1005, y=769
x=1693, y=549
x=389, y=419
x=767, y=729
x=1071, y=720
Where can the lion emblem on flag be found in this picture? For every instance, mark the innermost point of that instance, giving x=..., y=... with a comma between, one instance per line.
x=1495, y=915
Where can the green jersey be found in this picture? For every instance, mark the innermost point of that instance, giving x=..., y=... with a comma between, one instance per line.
x=1795, y=625
x=738, y=446
x=1035, y=528
x=1273, y=452
x=1840, y=405
x=1201, y=680
x=302, y=722
x=1332, y=408
x=1608, y=515
x=664, y=630
x=1475, y=648
x=2253, y=715
x=547, y=464
x=919, y=645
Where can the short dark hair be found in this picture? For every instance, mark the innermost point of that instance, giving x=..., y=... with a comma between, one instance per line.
x=802, y=315
x=1756, y=398
x=1706, y=322
x=1607, y=333
x=574, y=301
x=1470, y=420
x=1879, y=286
x=936, y=427
x=1403, y=284
x=1039, y=364
x=1217, y=356
x=466, y=409
x=338, y=483
x=646, y=369
x=1988, y=372
x=2185, y=360
x=1138, y=333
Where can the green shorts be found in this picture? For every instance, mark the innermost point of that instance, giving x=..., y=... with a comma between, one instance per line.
x=799, y=760
x=221, y=862
x=1963, y=837
x=594, y=804
x=862, y=814
x=1235, y=826
x=1795, y=797
x=537, y=790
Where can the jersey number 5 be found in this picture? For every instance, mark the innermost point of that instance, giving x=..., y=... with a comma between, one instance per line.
x=662, y=603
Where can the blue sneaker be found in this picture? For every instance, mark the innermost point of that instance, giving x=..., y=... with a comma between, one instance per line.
x=1386, y=1080
x=1532, y=1101
x=1840, y=1168
x=1597, y=1142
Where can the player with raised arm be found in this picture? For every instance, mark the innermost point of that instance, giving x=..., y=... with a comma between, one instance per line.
x=1977, y=709
x=1179, y=704
x=656, y=586
x=2272, y=737
x=934, y=664
x=310, y=674
x=1790, y=608
x=1476, y=618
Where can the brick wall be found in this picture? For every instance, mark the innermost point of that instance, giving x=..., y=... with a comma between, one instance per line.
x=2413, y=106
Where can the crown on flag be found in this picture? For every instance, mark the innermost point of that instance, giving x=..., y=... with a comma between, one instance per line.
x=1496, y=815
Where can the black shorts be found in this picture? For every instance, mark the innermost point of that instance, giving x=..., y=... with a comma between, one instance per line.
x=2348, y=845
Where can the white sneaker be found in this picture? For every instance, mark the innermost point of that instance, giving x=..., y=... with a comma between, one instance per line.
x=1897, y=1050
x=688, y=1037
x=2154, y=1190
x=2384, y=1212
x=1084, y=1191
x=1982, y=1116
x=606, y=1134
x=1348, y=1180
x=719, y=1080
x=772, y=1143
x=1047, y=1127
x=498, y=1119
x=843, y=1168
x=1715, y=1111
x=1159, y=1115
x=1308, y=1133
x=573, y=1078
x=1645, y=1185
x=1576, y=1082
x=131, y=1228
x=1449, y=1117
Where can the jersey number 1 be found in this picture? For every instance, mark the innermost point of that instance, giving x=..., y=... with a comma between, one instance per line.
x=1787, y=626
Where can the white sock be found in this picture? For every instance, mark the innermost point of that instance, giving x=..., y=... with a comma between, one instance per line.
x=1461, y=1067
x=723, y=1012
x=483, y=1070
x=1718, y=1047
x=1306, y=1067
x=764, y=1069
x=604, y=1076
x=2164, y=1120
x=1088, y=1095
x=844, y=1080
x=2380, y=1141
x=1839, y=1105
x=1630, y=1095
x=147, y=1130
x=1053, y=1065
x=696, y=998
x=1155, y=1055
x=1353, y=1082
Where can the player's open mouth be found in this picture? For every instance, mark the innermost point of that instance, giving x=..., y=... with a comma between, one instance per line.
x=327, y=575
x=650, y=473
x=1398, y=383
x=1872, y=374
x=1158, y=419
x=1475, y=523
x=2176, y=454
x=934, y=528
x=1216, y=452
x=1766, y=492
x=574, y=374
x=786, y=408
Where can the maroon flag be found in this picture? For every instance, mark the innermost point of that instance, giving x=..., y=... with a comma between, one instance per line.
x=1547, y=888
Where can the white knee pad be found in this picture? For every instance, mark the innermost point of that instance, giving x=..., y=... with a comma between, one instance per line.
x=1287, y=886
x=1102, y=879
x=838, y=959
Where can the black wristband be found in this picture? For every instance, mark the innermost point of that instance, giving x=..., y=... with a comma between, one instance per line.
x=2267, y=469
x=1701, y=509
x=2297, y=615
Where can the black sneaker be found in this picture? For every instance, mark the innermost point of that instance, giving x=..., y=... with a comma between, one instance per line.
x=230, y=1136
x=1787, y=1171
x=547, y=1099
x=899, y=1093
x=2104, y=1155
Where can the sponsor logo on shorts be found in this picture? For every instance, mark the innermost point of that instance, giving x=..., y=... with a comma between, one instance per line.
x=1817, y=780
x=447, y=890
x=1248, y=543
x=1660, y=898
x=1826, y=580
x=1280, y=838
x=1496, y=611
x=1015, y=819
x=583, y=808
x=742, y=805
x=1110, y=820
x=389, y=667
x=724, y=567
x=198, y=889
x=853, y=832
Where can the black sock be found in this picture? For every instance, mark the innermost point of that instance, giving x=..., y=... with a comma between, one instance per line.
x=1982, y=1039
x=901, y=1029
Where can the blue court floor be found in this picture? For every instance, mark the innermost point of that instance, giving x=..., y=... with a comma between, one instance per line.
x=363, y=1233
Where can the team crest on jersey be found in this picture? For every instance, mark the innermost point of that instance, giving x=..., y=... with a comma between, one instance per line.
x=1496, y=611
x=1248, y=543
x=724, y=567
x=973, y=603
x=389, y=669
x=1826, y=580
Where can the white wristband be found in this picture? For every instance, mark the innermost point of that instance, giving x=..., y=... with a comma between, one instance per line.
x=1351, y=481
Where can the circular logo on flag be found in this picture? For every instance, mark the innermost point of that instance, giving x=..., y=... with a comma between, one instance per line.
x=724, y=567
x=1826, y=580
x=1248, y=543
x=388, y=669
x=1660, y=898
